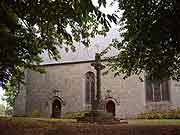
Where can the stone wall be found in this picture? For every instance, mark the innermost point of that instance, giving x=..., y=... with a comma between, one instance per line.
x=67, y=81
x=20, y=102
x=175, y=94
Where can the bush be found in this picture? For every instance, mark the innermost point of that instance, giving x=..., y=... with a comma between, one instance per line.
x=2, y=110
x=75, y=115
x=172, y=114
x=88, y=116
x=35, y=114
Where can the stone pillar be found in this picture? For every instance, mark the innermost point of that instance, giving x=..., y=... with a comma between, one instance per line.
x=98, y=67
x=97, y=113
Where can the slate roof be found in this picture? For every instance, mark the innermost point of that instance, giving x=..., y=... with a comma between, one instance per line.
x=82, y=53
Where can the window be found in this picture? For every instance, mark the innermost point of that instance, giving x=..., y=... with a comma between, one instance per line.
x=89, y=87
x=157, y=91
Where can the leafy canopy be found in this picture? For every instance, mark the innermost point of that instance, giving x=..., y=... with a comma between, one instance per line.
x=29, y=27
x=2, y=110
x=151, y=39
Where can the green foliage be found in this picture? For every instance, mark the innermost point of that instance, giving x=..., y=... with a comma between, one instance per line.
x=9, y=111
x=35, y=113
x=173, y=114
x=87, y=116
x=31, y=27
x=75, y=115
x=11, y=91
x=2, y=110
x=150, y=39
x=28, y=28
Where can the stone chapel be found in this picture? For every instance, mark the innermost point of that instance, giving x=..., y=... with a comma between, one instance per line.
x=68, y=86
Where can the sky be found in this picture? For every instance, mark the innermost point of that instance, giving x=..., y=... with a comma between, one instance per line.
x=1, y=95
x=108, y=10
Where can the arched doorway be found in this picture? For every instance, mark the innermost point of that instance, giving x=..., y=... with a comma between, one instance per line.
x=110, y=107
x=56, y=109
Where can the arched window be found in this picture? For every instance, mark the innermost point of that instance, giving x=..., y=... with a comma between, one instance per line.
x=157, y=91
x=89, y=87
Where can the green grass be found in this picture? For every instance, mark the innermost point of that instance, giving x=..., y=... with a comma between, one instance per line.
x=155, y=121
x=46, y=121
x=27, y=119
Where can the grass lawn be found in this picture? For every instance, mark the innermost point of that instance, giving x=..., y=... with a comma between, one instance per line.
x=29, y=120
x=130, y=122
x=42, y=126
x=155, y=121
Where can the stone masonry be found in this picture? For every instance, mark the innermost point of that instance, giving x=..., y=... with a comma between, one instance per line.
x=66, y=82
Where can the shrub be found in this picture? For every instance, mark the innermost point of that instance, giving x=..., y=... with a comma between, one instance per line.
x=172, y=114
x=35, y=113
x=88, y=116
x=75, y=115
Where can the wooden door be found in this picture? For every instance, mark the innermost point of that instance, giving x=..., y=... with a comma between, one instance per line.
x=56, y=109
x=110, y=107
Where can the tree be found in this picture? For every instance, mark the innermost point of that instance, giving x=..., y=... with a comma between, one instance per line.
x=29, y=27
x=2, y=110
x=151, y=39
x=11, y=91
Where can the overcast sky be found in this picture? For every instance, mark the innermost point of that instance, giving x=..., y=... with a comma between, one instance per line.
x=1, y=95
x=108, y=10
